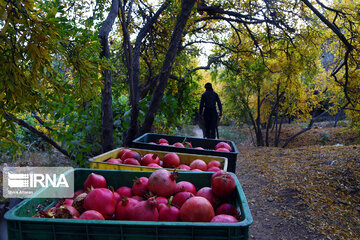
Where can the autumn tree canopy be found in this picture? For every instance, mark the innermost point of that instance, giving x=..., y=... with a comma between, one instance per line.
x=79, y=69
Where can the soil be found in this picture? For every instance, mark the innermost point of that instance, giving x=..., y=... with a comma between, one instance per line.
x=269, y=215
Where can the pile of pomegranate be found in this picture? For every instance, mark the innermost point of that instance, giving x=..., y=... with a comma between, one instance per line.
x=158, y=197
x=170, y=160
x=221, y=146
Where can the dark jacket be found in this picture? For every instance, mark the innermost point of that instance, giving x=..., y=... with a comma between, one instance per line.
x=208, y=101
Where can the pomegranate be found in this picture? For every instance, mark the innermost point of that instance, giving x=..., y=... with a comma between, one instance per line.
x=124, y=208
x=229, y=209
x=94, y=181
x=161, y=200
x=78, y=202
x=66, y=211
x=140, y=186
x=117, y=197
x=196, y=209
x=214, y=163
x=165, y=144
x=153, y=165
x=124, y=191
x=50, y=212
x=223, y=145
x=101, y=200
x=162, y=140
x=207, y=193
x=168, y=213
x=145, y=211
x=180, y=198
x=131, y=161
x=162, y=183
x=171, y=160
x=223, y=185
x=150, y=158
x=199, y=148
x=222, y=150
x=131, y=154
x=198, y=164
x=218, y=173
x=122, y=151
x=68, y=201
x=77, y=193
x=188, y=145
x=224, y=218
x=114, y=160
x=213, y=169
x=178, y=144
x=184, y=167
x=91, y=215
x=196, y=170
x=185, y=186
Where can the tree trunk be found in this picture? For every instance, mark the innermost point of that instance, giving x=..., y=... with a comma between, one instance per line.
x=304, y=129
x=106, y=102
x=186, y=7
x=134, y=74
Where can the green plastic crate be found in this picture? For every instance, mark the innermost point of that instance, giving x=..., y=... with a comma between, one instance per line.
x=21, y=225
x=208, y=145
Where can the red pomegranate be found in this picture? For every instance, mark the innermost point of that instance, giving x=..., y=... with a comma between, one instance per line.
x=180, y=198
x=223, y=145
x=94, y=181
x=223, y=185
x=229, y=209
x=185, y=186
x=91, y=215
x=162, y=140
x=114, y=160
x=223, y=218
x=150, y=158
x=162, y=183
x=168, y=213
x=145, y=211
x=213, y=169
x=101, y=200
x=122, y=151
x=131, y=161
x=222, y=150
x=198, y=164
x=214, y=163
x=196, y=209
x=153, y=165
x=131, y=154
x=178, y=144
x=188, y=145
x=184, y=167
x=161, y=200
x=208, y=193
x=140, y=186
x=124, y=208
x=66, y=211
x=124, y=191
x=171, y=160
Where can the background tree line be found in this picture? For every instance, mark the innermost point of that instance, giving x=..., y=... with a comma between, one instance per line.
x=88, y=76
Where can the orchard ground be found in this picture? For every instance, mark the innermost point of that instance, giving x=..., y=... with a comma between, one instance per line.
x=309, y=190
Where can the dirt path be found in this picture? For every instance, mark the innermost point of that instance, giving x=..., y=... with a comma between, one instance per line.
x=271, y=219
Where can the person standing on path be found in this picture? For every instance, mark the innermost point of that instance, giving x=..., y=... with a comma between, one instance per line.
x=208, y=102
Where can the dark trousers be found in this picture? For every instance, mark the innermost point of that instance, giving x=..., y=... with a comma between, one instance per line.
x=210, y=119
